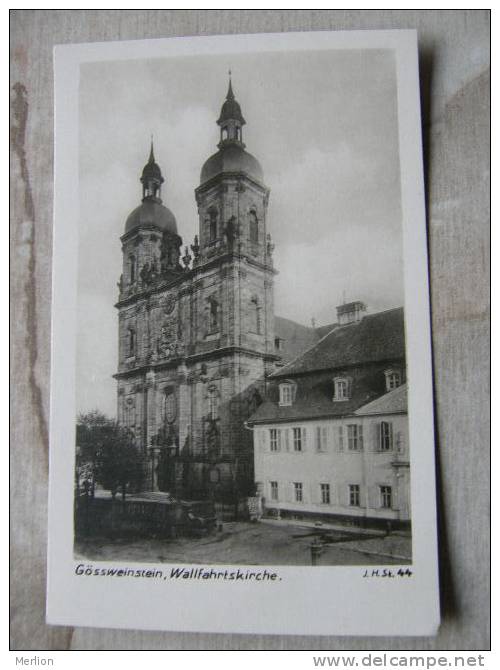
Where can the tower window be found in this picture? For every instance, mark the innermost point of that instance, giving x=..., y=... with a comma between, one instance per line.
x=255, y=325
x=253, y=227
x=213, y=315
x=213, y=404
x=132, y=264
x=131, y=342
x=212, y=225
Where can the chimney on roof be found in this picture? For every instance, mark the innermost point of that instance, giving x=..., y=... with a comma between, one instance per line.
x=350, y=312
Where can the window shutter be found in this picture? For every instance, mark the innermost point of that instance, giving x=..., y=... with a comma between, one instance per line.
x=303, y=435
x=376, y=430
x=391, y=436
x=324, y=438
x=400, y=442
x=374, y=499
x=349, y=387
x=286, y=445
x=262, y=437
x=318, y=438
x=360, y=436
x=340, y=438
x=278, y=439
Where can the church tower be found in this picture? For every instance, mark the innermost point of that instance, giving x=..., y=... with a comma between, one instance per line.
x=233, y=298
x=196, y=340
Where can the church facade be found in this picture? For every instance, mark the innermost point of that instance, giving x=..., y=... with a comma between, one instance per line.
x=196, y=326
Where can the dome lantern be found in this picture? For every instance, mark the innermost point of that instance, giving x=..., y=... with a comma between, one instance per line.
x=151, y=178
x=231, y=119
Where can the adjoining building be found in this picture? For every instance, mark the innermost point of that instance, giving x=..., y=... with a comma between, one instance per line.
x=331, y=437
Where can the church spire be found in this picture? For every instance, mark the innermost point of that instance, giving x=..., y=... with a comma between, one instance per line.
x=231, y=119
x=230, y=94
x=151, y=152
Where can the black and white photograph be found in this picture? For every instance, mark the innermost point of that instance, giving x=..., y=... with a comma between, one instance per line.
x=244, y=307
x=241, y=375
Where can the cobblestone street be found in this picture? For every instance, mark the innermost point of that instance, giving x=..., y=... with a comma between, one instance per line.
x=262, y=543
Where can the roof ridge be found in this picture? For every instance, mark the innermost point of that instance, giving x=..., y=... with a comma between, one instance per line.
x=303, y=353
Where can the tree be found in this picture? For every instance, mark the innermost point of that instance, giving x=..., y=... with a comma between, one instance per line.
x=110, y=450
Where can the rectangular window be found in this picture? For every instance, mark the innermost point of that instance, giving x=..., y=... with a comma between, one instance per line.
x=273, y=437
x=298, y=491
x=297, y=439
x=341, y=389
x=355, y=437
x=325, y=494
x=386, y=497
x=354, y=497
x=274, y=490
x=385, y=442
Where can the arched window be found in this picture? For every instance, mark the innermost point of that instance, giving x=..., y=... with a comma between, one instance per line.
x=129, y=413
x=213, y=314
x=132, y=264
x=131, y=342
x=224, y=134
x=255, y=309
x=253, y=227
x=169, y=405
x=213, y=403
x=212, y=225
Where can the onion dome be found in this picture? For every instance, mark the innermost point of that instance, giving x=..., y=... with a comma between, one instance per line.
x=151, y=213
x=231, y=158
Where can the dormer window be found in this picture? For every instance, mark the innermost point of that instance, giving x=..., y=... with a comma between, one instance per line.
x=287, y=394
x=279, y=343
x=392, y=379
x=341, y=389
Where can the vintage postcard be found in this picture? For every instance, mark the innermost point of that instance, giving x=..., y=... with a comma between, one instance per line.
x=241, y=408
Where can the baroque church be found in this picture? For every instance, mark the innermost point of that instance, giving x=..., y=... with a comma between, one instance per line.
x=196, y=325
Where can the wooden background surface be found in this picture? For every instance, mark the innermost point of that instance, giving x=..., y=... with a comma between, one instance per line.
x=454, y=55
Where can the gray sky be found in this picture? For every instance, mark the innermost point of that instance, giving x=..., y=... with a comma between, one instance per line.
x=323, y=126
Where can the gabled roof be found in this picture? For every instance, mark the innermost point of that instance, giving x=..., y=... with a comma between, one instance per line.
x=390, y=403
x=296, y=337
x=376, y=337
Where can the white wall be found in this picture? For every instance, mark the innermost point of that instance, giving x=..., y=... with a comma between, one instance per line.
x=337, y=466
